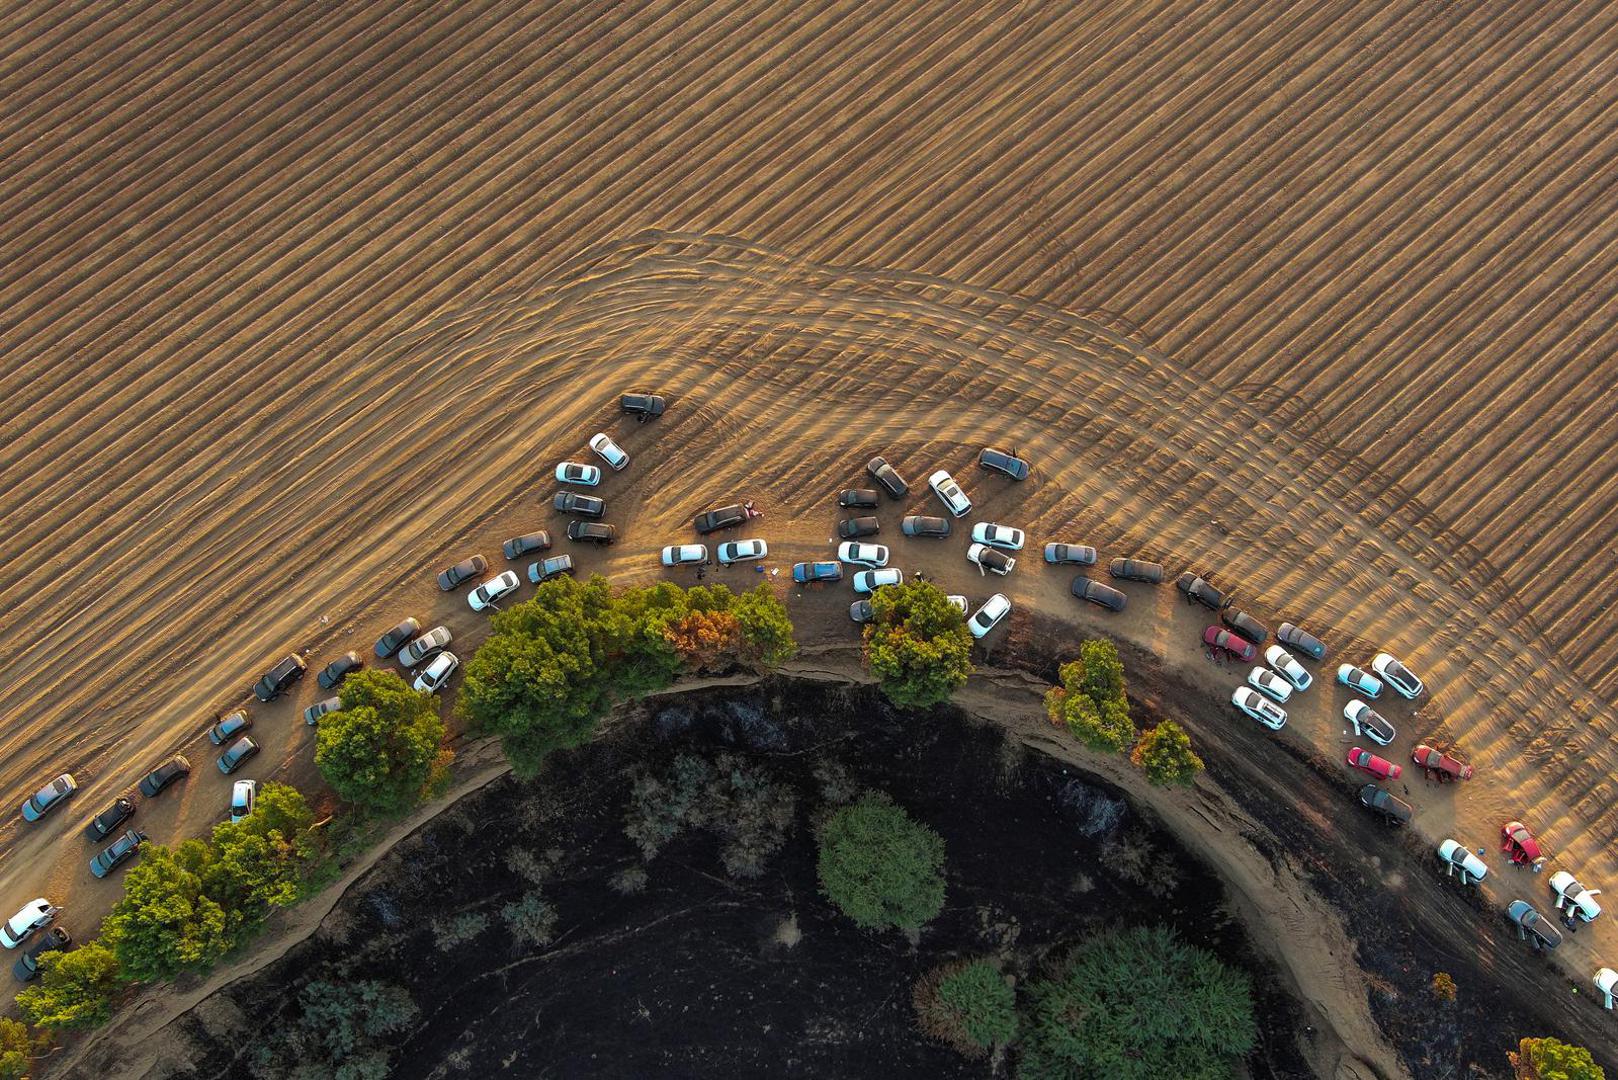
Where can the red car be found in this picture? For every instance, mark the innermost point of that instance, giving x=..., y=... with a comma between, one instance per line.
x=1439, y=765
x=1217, y=637
x=1521, y=845
x=1378, y=767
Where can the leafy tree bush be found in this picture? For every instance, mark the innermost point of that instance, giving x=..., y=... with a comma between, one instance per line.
x=629, y=881
x=880, y=867
x=731, y=797
x=1138, y=1005
x=704, y=640
x=765, y=628
x=342, y=1031
x=1443, y=986
x=74, y=989
x=456, y=930
x=967, y=1005
x=531, y=919
x=261, y=862
x=917, y=644
x=382, y=752
x=1164, y=753
x=1552, y=1059
x=165, y=922
x=16, y=1049
x=1092, y=701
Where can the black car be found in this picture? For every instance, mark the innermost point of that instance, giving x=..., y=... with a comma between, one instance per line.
x=546, y=569
x=1136, y=570
x=854, y=528
x=1201, y=592
x=518, y=546
x=1245, y=625
x=462, y=572
x=237, y=755
x=860, y=611
x=27, y=965
x=1302, y=640
x=859, y=499
x=102, y=824
x=888, y=478
x=175, y=768
x=643, y=407
x=725, y=517
x=394, y=640
x=921, y=525
x=1533, y=927
x=591, y=532
x=584, y=506
x=233, y=724
x=1001, y=462
x=1396, y=811
x=339, y=669
x=1098, y=593
x=119, y=852
x=278, y=678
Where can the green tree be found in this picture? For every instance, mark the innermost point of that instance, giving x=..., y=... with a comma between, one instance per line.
x=1164, y=753
x=1552, y=1059
x=383, y=751
x=969, y=1005
x=766, y=630
x=917, y=644
x=165, y=922
x=74, y=989
x=1138, y=1005
x=16, y=1049
x=1092, y=701
x=880, y=867
x=348, y=1025
x=260, y=861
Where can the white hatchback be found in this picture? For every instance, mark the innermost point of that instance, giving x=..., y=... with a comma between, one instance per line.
x=1359, y=680
x=869, y=581
x=436, y=674
x=950, y=493
x=873, y=555
x=609, y=451
x=685, y=554
x=1259, y=708
x=988, y=616
x=1456, y=857
x=1283, y=661
x=496, y=588
x=1269, y=683
x=1402, y=679
x=243, y=794
x=571, y=472
x=1000, y=536
x=742, y=551
x=34, y=916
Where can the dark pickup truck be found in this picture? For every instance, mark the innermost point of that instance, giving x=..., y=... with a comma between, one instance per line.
x=725, y=517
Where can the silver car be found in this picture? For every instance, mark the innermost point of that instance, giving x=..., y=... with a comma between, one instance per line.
x=424, y=646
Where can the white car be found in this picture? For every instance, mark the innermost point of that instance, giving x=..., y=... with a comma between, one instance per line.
x=1000, y=536
x=1464, y=860
x=494, y=589
x=243, y=794
x=869, y=581
x=571, y=472
x=742, y=551
x=1396, y=675
x=873, y=555
x=419, y=649
x=1259, y=708
x=950, y=493
x=35, y=915
x=1360, y=681
x=1368, y=722
x=1578, y=900
x=609, y=451
x=1269, y=683
x=959, y=603
x=436, y=674
x=685, y=554
x=1283, y=661
x=988, y=616
x=985, y=557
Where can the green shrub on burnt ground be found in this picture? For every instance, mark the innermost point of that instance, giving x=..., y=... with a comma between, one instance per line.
x=967, y=1005
x=1092, y=702
x=453, y=931
x=530, y=918
x=731, y=797
x=879, y=866
x=1552, y=1059
x=342, y=1031
x=1138, y=1004
x=1164, y=754
x=1133, y=858
x=917, y=644
x=629, y=881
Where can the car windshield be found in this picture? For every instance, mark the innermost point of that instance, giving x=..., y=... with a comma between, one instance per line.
x=1398, y=671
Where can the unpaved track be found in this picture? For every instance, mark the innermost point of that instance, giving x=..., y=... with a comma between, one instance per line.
x=298, y=302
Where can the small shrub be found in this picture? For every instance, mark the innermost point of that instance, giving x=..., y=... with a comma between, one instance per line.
x=1552, y=1059
x=1092, y=702
x=17, y=1049
x=880, y=867
x=917, y=644
x=1164, y=754
x=629, y=881
x=532, y=868
x=458, y=929
x=837, y=784
x=1443, y=987
x=731, y=797
x=531, y=920
x=1133, y=858
x=74, y=989
x=968, y=1005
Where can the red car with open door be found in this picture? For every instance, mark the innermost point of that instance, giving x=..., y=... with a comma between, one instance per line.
x=1520, y=844
x=1379, y=767
x=1439, y=765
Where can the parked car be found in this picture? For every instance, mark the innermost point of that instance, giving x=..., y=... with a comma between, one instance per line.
x=869, y=581
x=950, y=493
x=1217, y=637
x=545, y=569
x=49, y=797
x=1098, y=593
x=424, y=646
x=923, y=525
x=1395, y=810
x=987, y=617
x=243, y=797
x=579, y=505
x=235, y=757
x=988, y=558
x=854, y=528
x=494, y=590
x=313, y=713
x=859, y=499
x=860, y=611
x=1379, y=767
x=1579, y=902
x=1283, y=662
x=574, y=472
x=807, y=573
x=437, y=673
x=590, y=532
x=1072, y=554
x=118, y=852
x=526, y=544
x=685, y=555
x=228, y=727
x=642, y=407
x=1001, y=536
x=1521, y=845
x=1001, y=462
x=1458, y=858
x=1368, y=722
x=1198, y=590
x=102, y=824
x=1533, y=927
x=736, y=551
x=332, y=675
x=27, y=965
x=724, y=517
x=874, y=556
x=461, y=573
x=609, y=451
x=1359, y=681
x=394, y=640
x=287, y=671
x=1396, y=675
x=1439, y=765
x=175, y=768
x=1259, y=708
x=887, y=478
x=1269, y=684
x=1245, y=625
x=1301, y=640
x=34, y=916
x=1136, y=570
